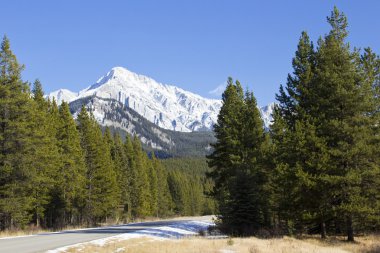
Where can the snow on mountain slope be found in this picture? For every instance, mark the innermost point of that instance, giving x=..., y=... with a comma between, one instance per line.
x=62, y=95
x=266, y=114
x=167, y=106
x=119, y=118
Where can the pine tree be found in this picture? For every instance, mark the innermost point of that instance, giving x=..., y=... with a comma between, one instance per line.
x=131, y=176
x=294, y=99
x=122, y=169
x=107, y=175
x=179, y=190
x=53, y=213
x=16, y=148
x=45, y=153
x=164, y=200
x=72, y=172
x=238, y=163
x=345, y=101
x=370, y=69
x=329, y=134
x=299, y=154
x=153, y=185
x=226, y=151
x=255, y=147
x=141, y=193
x=101, y=185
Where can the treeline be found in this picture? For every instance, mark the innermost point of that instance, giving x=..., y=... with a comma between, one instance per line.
x=190, y=186
x=55, y=171
x=318, y=169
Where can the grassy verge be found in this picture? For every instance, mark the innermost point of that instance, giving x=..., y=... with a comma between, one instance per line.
x=367, y=244
x=33, y=231
x=11, y=233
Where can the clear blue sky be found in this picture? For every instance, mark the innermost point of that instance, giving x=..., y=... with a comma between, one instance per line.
x=194, y=44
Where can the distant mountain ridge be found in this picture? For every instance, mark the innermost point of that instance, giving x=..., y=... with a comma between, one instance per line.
x=124, y=120
x=166, y=106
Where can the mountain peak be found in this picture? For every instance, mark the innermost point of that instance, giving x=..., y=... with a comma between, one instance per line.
x=165, y=105
x=114, y=73
x=62, y=95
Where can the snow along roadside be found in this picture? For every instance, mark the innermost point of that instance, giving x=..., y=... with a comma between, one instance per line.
x=174, y=231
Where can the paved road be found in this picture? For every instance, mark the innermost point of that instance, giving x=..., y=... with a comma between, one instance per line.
x=48, y=241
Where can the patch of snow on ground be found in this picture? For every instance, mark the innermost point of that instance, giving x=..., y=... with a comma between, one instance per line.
x=173, y=231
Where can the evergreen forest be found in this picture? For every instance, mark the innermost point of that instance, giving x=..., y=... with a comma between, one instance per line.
x=57, y=172
x=317, y=170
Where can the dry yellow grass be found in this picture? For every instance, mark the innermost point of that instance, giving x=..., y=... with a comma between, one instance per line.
x=33, y=231
x=369, y=244
x=11, y=233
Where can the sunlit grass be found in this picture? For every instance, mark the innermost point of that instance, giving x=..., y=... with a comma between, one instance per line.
x=365, y=244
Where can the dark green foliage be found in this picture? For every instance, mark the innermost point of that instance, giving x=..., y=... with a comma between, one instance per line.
x=324, y=147
x=164, y=199
x=56, y=172
x=102, y=189
x=141, y=194
x=16, y=143
x=325, y=136
x=189, y=187
x=45, y=158
x=70, y=179
x=317, y=171
x=239, y=164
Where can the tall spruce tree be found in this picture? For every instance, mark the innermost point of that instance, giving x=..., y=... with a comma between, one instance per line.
x=107, y=176
x=153, y=185
x=370, y=69
x=300, y=155
x=122, y=169
x=16, y=148
x=72, y=172
x=164, y=200
x=241, y=178
x=141, y=194
x=226, y=150
x=131, y=177
x=344, y=102
x=329, y=133
x=45, y=153
x=101, y=185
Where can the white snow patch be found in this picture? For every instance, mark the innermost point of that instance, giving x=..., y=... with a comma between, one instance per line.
x=62, y=95
x=172, y=231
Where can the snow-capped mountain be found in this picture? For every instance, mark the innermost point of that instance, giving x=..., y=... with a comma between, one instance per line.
x=119, y=118
x=266, y=114
x=62, y=95
x=167, y=106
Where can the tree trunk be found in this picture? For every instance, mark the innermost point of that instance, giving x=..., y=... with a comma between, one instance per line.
x=11, y=223
x=350, y=229
x=323, y=230
x=37, y=220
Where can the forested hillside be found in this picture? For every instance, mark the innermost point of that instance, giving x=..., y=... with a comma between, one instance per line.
x=55, y=171
x=190, y=186
x=165, y=143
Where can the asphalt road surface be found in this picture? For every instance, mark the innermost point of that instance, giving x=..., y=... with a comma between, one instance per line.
x=49, y=241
